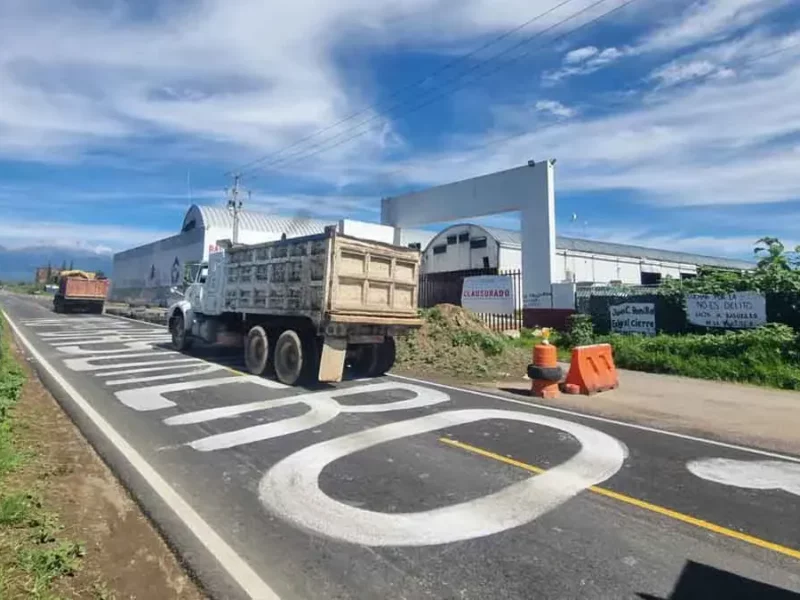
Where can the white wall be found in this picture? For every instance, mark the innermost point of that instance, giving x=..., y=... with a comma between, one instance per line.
x=146, y=273
x=367, y=231
x=460, y=256
x=510, y=259
x=600, y=268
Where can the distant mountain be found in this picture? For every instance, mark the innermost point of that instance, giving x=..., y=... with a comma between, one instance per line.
x=20, y=264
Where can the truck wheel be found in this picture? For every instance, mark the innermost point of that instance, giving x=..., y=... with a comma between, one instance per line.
x=256, y=351
x=387, y=353
x=294, y=358
x=374, y=360
x=177, y=328
x=366, y=360
x=56, y=306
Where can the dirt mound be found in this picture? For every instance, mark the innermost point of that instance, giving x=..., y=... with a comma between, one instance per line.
x=455, y=342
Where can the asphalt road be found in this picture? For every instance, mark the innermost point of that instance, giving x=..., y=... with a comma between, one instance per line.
x=393, y=488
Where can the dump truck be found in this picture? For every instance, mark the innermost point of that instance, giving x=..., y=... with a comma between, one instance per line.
x=303, y=307
x=80, y=290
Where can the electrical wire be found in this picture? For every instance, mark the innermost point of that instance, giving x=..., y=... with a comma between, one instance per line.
x=401, y=90
x=323, y=148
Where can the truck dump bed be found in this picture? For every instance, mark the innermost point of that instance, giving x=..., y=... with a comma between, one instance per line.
x=328, y=278
x=76, y=288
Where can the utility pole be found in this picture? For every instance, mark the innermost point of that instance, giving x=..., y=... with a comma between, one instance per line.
x=235, y=207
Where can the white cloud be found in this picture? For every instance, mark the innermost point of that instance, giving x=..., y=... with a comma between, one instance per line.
x=580, y=54
x=720, y=141
x=555, y=108
x=675, y=73
x=584, y=64
x=228, y=79
x=708, y=21
x=99, y=238
x=701, y=23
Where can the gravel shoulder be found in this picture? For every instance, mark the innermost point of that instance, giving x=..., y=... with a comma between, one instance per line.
x=125, y=557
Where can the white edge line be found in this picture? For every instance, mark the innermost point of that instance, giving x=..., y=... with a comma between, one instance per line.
x=233, y=564
x=574, y=413
x=139, y=321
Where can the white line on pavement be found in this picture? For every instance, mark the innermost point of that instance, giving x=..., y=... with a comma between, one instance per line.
x=565, y=411
x=574, y=413
x=231, y=562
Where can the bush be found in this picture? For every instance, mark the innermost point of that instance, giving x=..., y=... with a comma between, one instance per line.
x=580, y=331
x=768, y=355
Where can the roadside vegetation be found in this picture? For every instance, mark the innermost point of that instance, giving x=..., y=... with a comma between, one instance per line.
x=35, y=554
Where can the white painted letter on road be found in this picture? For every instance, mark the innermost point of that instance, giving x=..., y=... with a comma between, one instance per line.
x=291, y=489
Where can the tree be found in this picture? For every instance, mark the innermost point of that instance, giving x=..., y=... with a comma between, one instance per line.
x=773, y=255
x=70, y=265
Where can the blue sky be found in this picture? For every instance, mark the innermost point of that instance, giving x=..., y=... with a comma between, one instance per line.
x=675, y=123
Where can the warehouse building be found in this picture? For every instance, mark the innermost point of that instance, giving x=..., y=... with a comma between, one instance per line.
x=145, y=275
x=469, y=248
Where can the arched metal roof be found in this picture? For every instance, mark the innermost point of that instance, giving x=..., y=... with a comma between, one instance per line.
x=218, y=217
x=509, y=238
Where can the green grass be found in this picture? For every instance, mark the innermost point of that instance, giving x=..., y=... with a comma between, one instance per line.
x=767, y=356
x=32, y=557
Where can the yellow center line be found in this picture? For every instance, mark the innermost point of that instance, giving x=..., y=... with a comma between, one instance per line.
x=667, y=512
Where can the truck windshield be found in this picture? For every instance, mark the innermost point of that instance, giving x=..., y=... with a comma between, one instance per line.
x=203, y=274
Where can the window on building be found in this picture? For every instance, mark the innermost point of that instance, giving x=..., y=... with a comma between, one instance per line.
x=485, y=262
x=441, y=249
x=477, y=243
x=415, y=246
x=688, y=275
x=451, y=239
x=189, y=226
x=463, y=237
x=651, y=278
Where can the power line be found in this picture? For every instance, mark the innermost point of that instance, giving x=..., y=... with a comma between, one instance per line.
x=299, y=156
x=538, y=129
x=399, y=91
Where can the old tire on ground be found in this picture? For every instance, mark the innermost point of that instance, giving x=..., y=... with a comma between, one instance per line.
x=177, y=328
x=295, y=358
x=256, y=350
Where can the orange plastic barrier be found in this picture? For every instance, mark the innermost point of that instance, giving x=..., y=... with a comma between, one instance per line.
x=592, y=370
x=546, y=357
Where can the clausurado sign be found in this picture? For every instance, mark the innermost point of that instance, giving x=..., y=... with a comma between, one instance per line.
x=633, y=317
x=488, y=294
x=738, y=310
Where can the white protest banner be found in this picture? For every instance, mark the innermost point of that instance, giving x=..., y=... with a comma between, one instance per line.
x=738, y=310
x=488, y=294
x=633, y=317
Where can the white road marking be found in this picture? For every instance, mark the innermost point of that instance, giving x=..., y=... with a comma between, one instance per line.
x=590, y=417
x=749, y=474
x=189, y=371
x=171, y=364
x=87, y=364
x=152, y=397
x=291, y=489
x=233, y=564
x=322, y=408
x=129, y=346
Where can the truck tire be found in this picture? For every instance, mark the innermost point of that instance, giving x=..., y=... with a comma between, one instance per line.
x=177, y=328
x=295, y=358
x=374, y=360
x=387, y=353
x=256, y=350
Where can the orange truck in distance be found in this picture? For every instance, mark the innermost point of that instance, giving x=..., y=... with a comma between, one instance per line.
x=79, y=290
